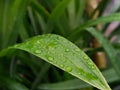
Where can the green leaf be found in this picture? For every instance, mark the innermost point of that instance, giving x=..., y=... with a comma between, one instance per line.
x=104, y=19
x=4, y=17
x=112, y=53
x=32, y=19
x=12, y=14
x=40, y=9
x=40, y=76
x=66, y=56
x=41, y=22
x=65, y=85
x=80, y=13
x=56, y=13
x=71, y=13
x=12, y=84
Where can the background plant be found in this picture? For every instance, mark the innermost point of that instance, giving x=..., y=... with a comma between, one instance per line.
x=23, y=19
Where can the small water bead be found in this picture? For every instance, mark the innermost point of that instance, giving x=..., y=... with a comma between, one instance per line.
x=80, y=73
x=62, y=66
x=54, y=62
x=67, y=50
x=37, y=51
x=92, y=66
x=68, y=69
x=86, y=57
x=90, y=63
x=50, y=58
x=49, y=47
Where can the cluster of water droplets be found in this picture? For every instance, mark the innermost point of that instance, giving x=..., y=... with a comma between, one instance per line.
x=90, y=63
x=52, y=47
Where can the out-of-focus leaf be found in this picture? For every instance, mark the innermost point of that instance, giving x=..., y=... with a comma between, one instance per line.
x=4, y=8
x=12, y=84
x=112, y=7
x=104, y=19
x=111, y=52
x=72, y=13
x=81, y=8
x=40, y=9
x=65, y=55
x=32, y=19
x=41, y=22
x=70, y=84
x=56, y=13
x=78, y=84
x=12, y=16
x=40, y=75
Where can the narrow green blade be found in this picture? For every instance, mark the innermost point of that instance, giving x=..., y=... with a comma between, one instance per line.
x=104, y=19
x=40, y=9
x=66, y=56
x=78, y=84
x=12, y=84
x=112, y=53
x=10, y=19
x=56, y=13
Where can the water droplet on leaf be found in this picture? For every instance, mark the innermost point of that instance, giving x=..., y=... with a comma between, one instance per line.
x=37, y=51
x=54, y=62
x=62, y=66
x=50, y=58
x=68, y=69
x=67, y=50
x=93, y=67
x=91, y=64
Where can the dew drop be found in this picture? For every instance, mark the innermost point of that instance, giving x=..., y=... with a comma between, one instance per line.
x=55, y=62
x=37, y=51
x=51, y=46
x=92, y=66
x=50, y=58
x=67, y=50
x=90, y=63
x=86, y=57
x=62, y=66
x=68, y=69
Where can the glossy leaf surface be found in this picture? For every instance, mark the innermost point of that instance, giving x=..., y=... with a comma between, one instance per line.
x=66, y=56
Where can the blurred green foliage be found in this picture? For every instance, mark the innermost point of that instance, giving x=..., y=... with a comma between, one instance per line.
x=23, y=19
